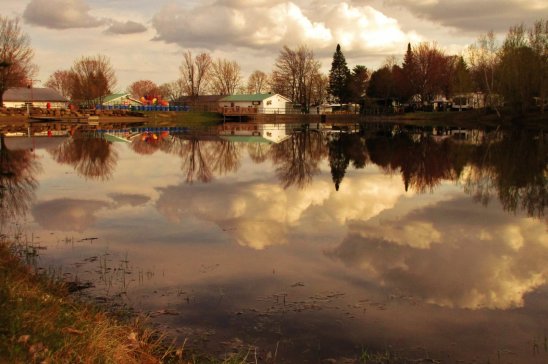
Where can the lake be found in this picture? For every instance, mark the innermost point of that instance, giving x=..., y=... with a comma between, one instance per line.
x=300, y=244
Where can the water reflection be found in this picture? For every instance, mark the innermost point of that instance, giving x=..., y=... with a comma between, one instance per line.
x=343, y=149
x=91, y=157
x=68, y=214
x=514, y=166
x=494, y=262
x=511, y=165
x=288, y=240
x=18, y=169
x=297, y=158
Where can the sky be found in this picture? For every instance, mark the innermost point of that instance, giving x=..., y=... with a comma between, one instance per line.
x=145, y=39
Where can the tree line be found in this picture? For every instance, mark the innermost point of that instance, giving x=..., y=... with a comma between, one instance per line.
x=515, y=71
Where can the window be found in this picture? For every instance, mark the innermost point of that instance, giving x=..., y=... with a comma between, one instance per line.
x=269, y=102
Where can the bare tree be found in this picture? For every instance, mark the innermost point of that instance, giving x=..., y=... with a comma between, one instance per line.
x=195, y=73
x=294, y=73
x=431, y=65
x=257, y=82
x=172, y=90
x=16, y=67
x=484, y=58
x=225, y=77
x=60, y=80
x=143, y=87
x=538, y=40
x=92, y=78
x=320, y=86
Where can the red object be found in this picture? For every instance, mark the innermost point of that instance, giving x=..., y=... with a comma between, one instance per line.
x=49, y=133
x=48, y=106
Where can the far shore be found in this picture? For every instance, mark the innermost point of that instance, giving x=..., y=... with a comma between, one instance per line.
x=462, y=119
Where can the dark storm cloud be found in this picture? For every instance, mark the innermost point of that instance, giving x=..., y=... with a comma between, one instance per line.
x=476, y=16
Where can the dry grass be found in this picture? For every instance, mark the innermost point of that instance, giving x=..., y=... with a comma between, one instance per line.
x=41, y=323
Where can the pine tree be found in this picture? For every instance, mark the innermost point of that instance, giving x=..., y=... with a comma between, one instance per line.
x=408, y=86
x=339, y=76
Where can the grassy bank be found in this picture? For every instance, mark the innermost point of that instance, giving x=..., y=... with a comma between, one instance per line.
x=469, y=119
x=41, y=323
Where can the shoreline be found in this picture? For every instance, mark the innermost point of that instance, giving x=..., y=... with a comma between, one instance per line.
x=462, y=119
x=40, y=321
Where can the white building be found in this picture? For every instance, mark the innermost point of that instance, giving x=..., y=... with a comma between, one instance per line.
x=37, y=97
x=470, y=100
x=255, y=104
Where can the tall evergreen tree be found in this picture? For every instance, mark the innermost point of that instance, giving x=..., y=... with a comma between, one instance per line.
x=339, y=77
x=408, y=80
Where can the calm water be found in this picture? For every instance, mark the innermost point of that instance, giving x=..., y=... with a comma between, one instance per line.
x=306, y=245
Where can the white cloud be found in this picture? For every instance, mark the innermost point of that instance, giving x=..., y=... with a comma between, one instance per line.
x=494, y=262
x=260, y=214
x=60, y=14
x=228, y=24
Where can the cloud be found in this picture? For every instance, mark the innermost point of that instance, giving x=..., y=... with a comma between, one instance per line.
x=494, y=262
x=67, y=214
x=60, y=14
x=260, y=214
x=122, y=199
x=255, y=215
x=270, y=25
x=129, y=27
x=476, y=16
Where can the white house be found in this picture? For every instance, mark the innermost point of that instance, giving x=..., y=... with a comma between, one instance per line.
x=37, y=97
x=255, y=104
x=470, y=100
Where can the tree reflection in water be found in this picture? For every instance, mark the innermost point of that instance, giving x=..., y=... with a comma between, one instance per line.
x=343, y=149
x=18, y=169
x=297, y=158
x=91, y=156
x=196, y=158
x=258, y=152
x=514, y=165
x=511, y=165
x=226, y=156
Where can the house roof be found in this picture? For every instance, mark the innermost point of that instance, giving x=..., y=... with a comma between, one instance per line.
x=112, y=97
x=22, y=94
x=253, y=97
x=116, y=97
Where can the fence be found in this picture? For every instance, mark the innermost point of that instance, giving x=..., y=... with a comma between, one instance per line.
x=143, y=108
